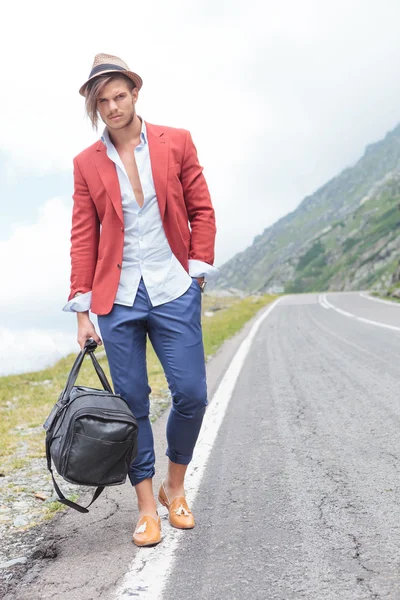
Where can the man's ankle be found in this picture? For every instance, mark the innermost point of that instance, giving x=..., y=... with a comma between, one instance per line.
x=145, y=498
x=174, y=490
x=149, y=513
x=148, y=508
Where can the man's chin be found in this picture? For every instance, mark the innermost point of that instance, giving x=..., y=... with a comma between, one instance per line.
x=116, y=123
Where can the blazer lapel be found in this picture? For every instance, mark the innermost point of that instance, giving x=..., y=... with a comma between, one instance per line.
x=109, y=177
x=159, y=147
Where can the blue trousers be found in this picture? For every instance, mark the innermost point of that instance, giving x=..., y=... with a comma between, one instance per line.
x=174, y=329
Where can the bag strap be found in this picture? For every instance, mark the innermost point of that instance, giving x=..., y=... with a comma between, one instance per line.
x=61, y=497
x=89, y=347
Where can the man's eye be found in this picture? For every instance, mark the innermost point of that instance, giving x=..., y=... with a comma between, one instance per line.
x=120, y=96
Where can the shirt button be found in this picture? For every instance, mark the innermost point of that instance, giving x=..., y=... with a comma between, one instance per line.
x=122, y=229
x=119, y=266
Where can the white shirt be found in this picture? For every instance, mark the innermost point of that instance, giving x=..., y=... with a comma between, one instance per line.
x=146, y=250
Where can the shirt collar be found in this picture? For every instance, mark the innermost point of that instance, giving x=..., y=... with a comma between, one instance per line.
x=105, y=138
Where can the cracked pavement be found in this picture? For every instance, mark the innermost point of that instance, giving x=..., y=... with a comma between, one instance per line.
x=300, y=498
x=301, y=494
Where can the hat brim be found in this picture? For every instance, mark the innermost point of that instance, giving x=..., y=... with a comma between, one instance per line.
x=133, y=76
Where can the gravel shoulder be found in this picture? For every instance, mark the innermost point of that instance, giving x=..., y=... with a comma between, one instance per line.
x=27, y=503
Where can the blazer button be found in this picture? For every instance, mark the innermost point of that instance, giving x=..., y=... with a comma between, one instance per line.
x=119, y=266
x=122, y=229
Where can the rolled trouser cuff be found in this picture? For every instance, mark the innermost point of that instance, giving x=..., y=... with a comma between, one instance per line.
x=136, y=478
x=179, y=459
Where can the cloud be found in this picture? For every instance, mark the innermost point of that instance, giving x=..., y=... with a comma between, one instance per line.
x=35, y=261
x=279, y=96
x=34, y=332
x=33, y=349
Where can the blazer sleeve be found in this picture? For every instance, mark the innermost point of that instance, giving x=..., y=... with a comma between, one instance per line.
x=85, y=234
x=198, y=205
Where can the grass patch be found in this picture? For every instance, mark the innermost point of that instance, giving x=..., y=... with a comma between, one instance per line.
x=385, y=297
x=55, y=507
x=228, y=321
x=26, y=399
x=349, y=243
x=315, y=251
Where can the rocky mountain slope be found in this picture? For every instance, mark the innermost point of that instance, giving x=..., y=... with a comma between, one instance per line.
x=343, y=237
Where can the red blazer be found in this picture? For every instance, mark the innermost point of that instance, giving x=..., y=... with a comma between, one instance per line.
x=97, y=236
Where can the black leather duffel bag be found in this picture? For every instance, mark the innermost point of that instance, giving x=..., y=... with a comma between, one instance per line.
x=91, y=434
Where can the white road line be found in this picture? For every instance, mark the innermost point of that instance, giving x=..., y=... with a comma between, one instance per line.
x=150, y=568
x=343, y=312
x=339, y=310
x=377, y=324
x=324, y=302
x=368, y=297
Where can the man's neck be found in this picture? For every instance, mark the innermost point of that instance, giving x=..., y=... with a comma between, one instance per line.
x=128, y=136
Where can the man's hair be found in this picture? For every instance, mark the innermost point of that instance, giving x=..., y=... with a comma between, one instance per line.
x=94, y=88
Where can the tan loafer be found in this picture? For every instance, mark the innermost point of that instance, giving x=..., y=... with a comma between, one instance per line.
x=180, y=516
x=148, y=531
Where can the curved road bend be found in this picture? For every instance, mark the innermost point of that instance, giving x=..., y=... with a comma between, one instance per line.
x=300, y=496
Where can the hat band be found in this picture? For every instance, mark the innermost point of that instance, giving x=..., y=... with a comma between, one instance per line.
x=105, y=67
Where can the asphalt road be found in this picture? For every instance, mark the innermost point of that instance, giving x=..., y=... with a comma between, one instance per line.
x=300, y=497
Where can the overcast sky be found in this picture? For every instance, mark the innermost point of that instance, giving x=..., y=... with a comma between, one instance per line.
x=279, y=97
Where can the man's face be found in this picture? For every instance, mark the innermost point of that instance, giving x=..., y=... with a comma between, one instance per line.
x=116, y=104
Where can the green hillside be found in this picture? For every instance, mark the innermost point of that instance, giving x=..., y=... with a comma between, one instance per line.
x=343, y=237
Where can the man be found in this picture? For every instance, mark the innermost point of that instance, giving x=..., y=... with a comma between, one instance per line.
x=142, y=244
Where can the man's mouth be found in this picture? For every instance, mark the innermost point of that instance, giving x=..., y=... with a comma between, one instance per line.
x=116, y=117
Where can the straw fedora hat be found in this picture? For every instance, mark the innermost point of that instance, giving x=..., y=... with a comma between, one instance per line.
x=107, y=63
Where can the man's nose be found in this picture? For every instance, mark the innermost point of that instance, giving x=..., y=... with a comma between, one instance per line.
x=113, y=106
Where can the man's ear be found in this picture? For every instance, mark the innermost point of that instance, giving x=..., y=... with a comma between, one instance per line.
x=135, y=95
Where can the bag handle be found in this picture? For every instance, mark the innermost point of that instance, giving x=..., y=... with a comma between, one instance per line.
x=89, y=347
x=61, y=497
